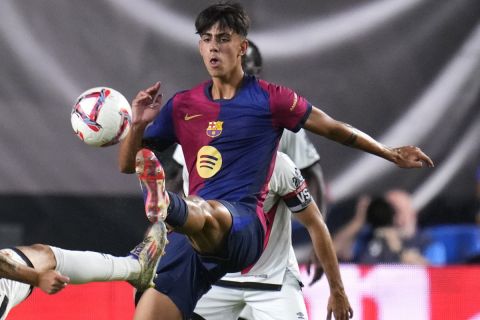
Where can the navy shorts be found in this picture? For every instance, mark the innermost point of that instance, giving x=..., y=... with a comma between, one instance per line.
x=184, y=275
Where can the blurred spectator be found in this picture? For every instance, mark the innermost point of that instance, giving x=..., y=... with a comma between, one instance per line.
x=406, y=218
x=386, y=244
x=406, y=222
x=349, y=232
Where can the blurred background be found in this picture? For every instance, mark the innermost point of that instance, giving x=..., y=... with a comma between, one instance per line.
x=404, y=71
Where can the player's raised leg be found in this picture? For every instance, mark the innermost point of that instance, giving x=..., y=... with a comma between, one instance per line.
x=138, y=268
x=205, y=222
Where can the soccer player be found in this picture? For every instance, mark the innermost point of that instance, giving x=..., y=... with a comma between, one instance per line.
x=229, y=128
x=272, y=287
x=51, y=268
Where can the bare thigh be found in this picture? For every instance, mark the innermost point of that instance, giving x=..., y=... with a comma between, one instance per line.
x=154, y=305
x=40, y=255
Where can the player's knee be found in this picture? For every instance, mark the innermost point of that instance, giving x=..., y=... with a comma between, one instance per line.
x=207, y=216
x=220, y=215
x=41, y=256
x=42, y=249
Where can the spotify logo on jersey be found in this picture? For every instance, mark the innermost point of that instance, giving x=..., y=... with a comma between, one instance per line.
x=209, y=161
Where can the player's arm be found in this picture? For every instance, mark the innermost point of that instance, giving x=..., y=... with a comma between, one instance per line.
x=338, y=303
x=405, y=157
x=316, y=185
x=145, y=107
x=49, y=281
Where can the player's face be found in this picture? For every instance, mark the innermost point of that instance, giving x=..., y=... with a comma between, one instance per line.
x=221, y=50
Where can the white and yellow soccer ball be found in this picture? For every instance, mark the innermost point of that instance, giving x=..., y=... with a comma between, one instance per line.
x=101, y=117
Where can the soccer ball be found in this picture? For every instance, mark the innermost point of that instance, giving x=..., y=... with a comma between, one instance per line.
x=101, y=117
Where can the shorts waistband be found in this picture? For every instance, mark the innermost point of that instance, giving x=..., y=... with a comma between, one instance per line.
x=249, y=285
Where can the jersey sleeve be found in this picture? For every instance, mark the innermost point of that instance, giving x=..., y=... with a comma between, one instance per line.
x=299, y=148
x=289, y=110
x=290, y=184
x=160, y=134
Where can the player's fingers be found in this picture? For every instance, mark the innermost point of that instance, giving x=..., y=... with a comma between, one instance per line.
x=426, y=159
x=342, y=314
x=329, y=315
x=59, y=285
x=142, y=98
x=158, y=99
x=63, y=279
x=54, y=289
x=316, y=276
x=152, y=90
x=416, y=164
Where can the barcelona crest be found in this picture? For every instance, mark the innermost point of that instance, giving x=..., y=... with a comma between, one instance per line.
x=214, y=128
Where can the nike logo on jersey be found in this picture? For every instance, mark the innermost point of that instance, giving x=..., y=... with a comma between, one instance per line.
x=187, y=117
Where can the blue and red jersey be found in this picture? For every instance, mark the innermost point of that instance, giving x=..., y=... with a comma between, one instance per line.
x=229, y=145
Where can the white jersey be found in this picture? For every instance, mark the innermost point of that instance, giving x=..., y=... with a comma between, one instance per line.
x=299, y=148
x=286, y=184
x=12, y=292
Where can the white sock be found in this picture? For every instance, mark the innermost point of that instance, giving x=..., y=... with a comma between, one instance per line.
x=89, y=266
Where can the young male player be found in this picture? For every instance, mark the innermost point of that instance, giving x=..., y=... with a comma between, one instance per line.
x=271, y=288
x=229, y=128
x=51, y=268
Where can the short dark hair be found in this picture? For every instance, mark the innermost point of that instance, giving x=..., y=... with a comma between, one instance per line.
x=228, y=15
x=380, y=213
x=252, y=60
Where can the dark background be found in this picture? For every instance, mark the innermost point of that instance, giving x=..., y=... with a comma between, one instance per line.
x=404, y=71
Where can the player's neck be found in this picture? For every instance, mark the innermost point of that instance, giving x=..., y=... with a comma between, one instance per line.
x=226, y=88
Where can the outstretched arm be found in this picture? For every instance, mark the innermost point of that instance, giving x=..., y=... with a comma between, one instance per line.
x=49, y=281
x=338, y=303
x=145, y=107
x=405, y=157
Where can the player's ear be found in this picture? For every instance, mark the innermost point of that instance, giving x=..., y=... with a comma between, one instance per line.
x=243, y=47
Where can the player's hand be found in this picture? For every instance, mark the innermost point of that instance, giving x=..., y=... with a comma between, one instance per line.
x=339, y=307
x=314, y=263
x=411, y=157
x=147, y=104
x=52, y=281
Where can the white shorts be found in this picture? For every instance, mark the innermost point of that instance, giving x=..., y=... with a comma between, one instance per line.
x=12, y=292
x=222, y=303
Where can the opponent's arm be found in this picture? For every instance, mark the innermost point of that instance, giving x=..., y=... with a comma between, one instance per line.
x=145, y=107
x=316, y=185
x=49, y=281
x=405, y=157
x=338, y=303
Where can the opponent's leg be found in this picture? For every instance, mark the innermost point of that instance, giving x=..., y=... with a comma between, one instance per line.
x=288, y=303
x=13, y=292
x=86, y=266
x=221, y=303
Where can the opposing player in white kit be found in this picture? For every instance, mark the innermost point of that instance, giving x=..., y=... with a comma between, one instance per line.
x=51, y=268
x=272, y=287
